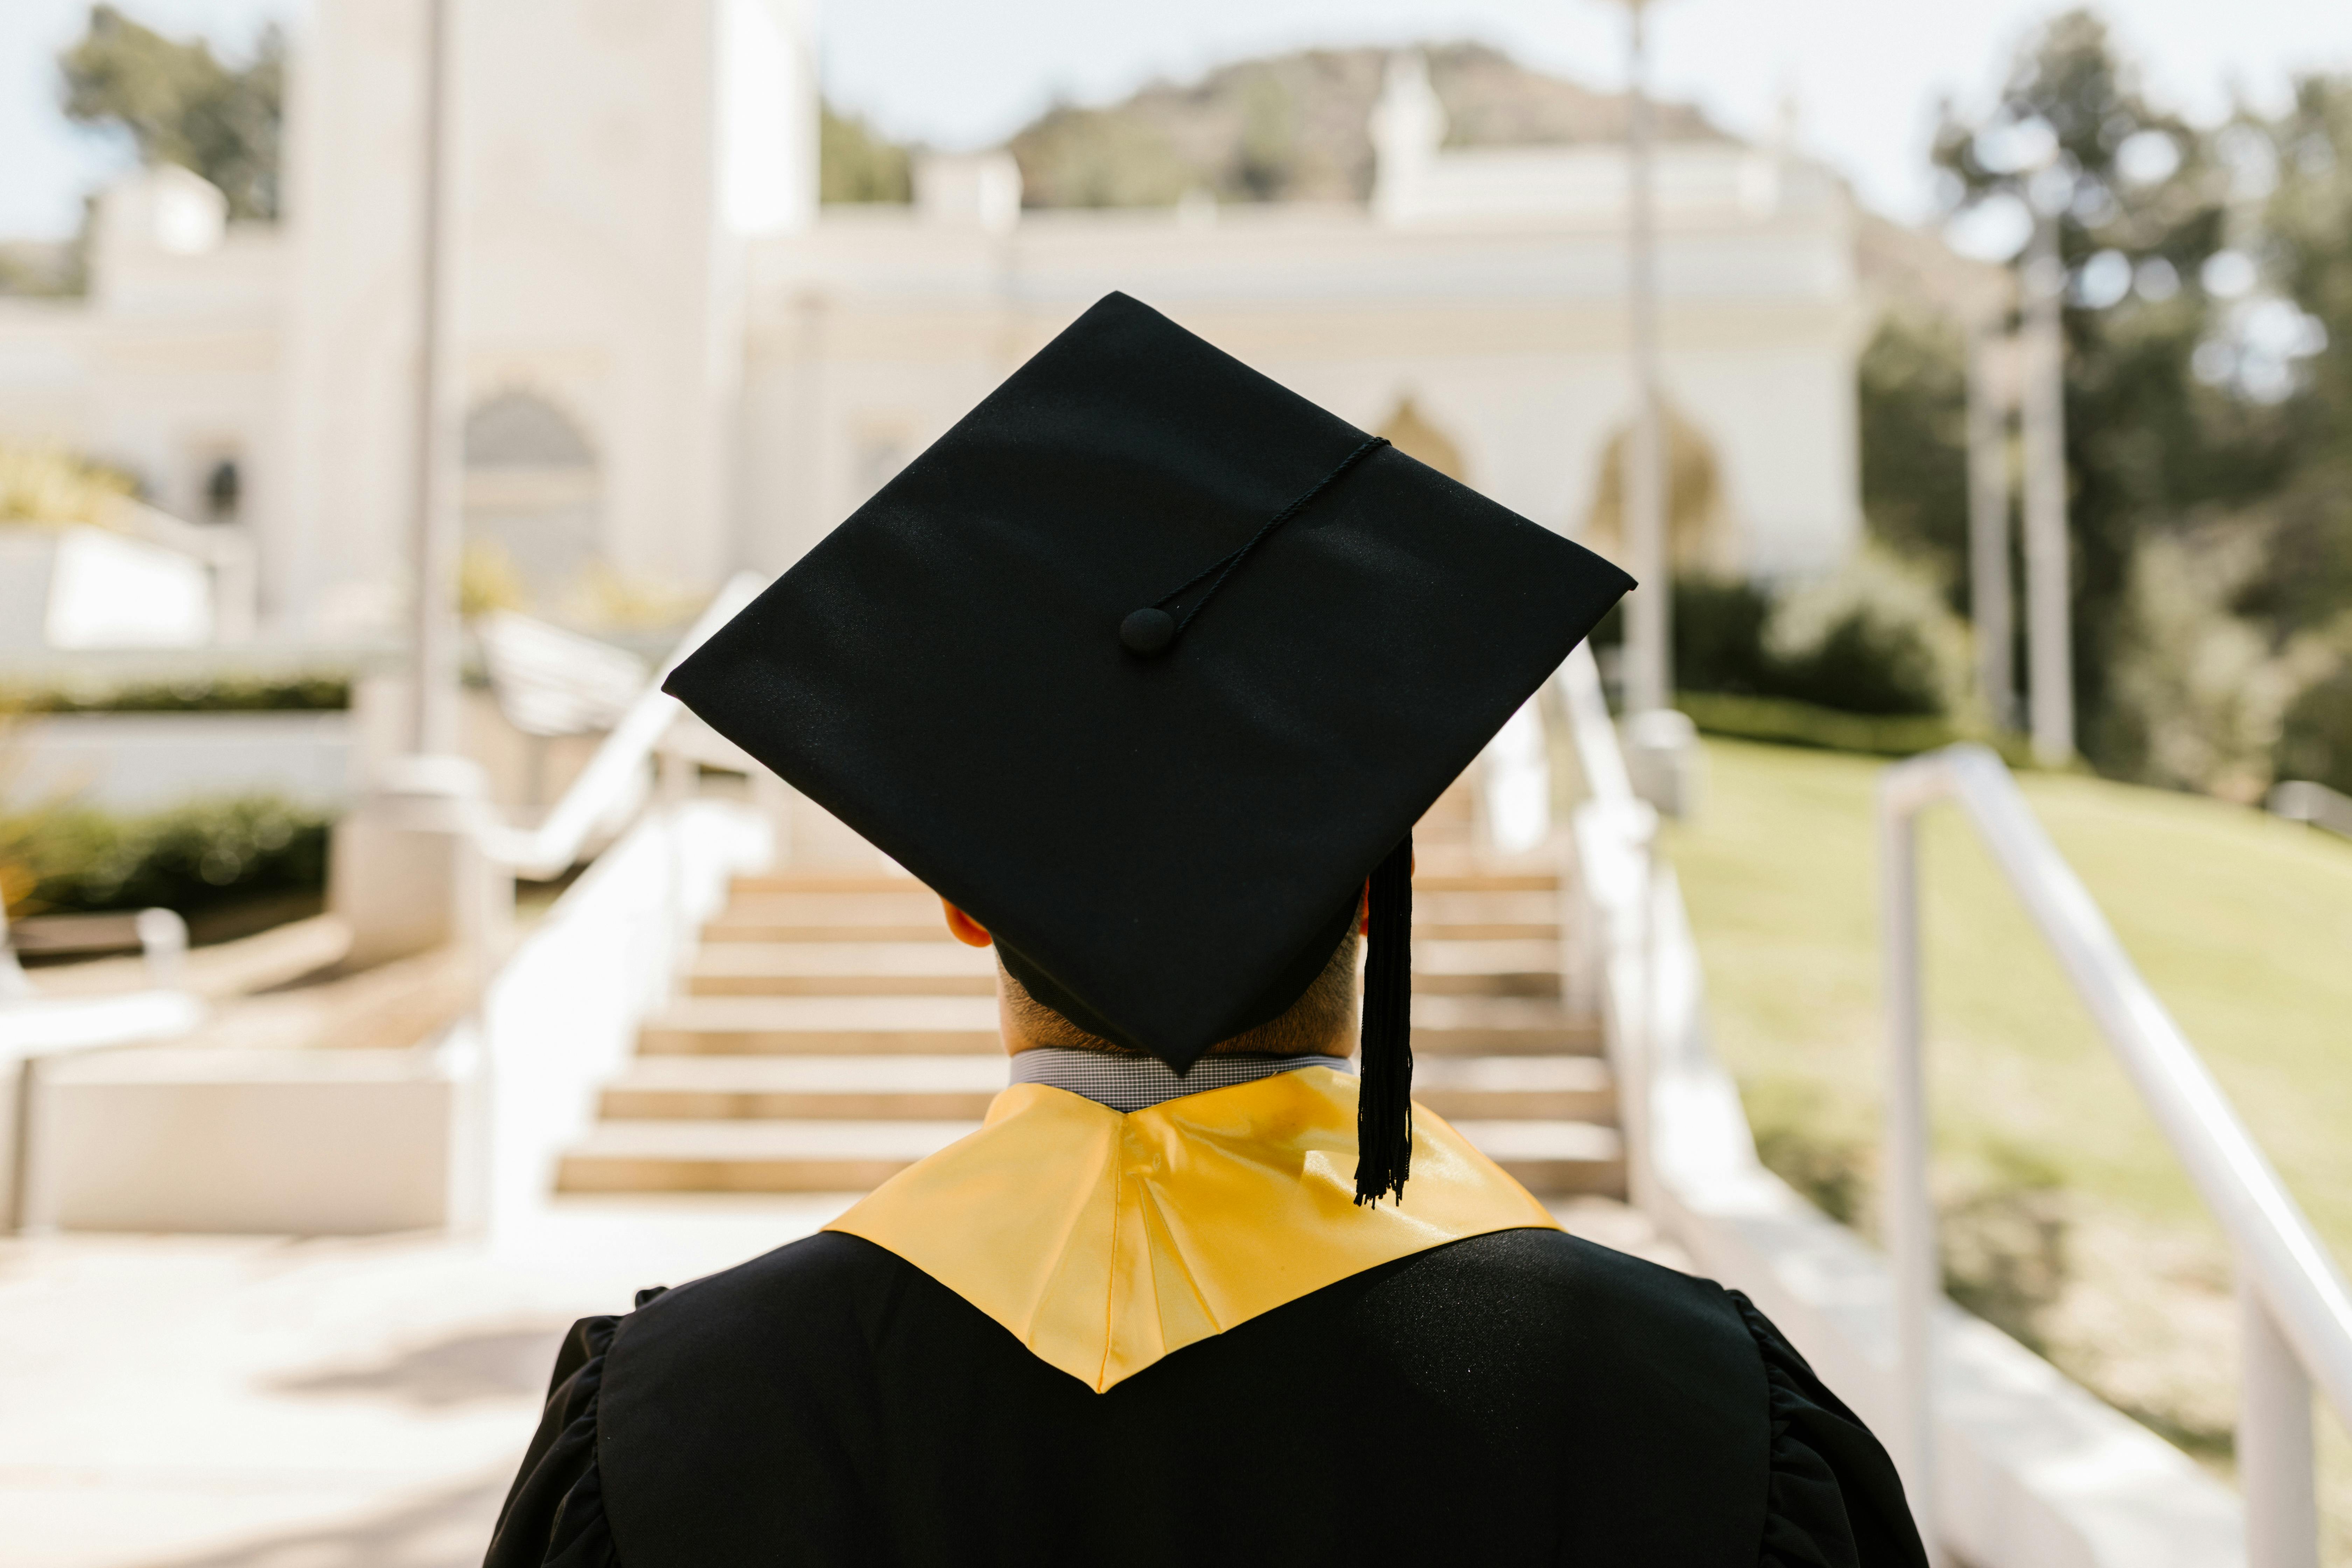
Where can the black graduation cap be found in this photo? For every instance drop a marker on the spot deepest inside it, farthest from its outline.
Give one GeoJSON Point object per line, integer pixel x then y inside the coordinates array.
{"type": "Point", "coordinates": [1146, 664]}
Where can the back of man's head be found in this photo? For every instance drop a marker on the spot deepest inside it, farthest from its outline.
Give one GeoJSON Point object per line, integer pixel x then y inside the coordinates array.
{"type": "Point", "coordinates": [1322, 1022]}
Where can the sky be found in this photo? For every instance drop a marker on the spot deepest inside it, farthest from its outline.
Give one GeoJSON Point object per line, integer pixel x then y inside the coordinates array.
{"type": "Point", "coordinates": [1863, 76]}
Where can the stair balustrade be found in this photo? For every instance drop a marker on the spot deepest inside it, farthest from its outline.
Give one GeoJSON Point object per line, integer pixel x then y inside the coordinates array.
{"type": "Point", "coordinates": [2296, 1313]}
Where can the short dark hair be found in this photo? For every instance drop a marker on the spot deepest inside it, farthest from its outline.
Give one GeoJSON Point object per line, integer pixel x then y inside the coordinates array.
{"type": "Point", "coordinates": [1326, 1009]}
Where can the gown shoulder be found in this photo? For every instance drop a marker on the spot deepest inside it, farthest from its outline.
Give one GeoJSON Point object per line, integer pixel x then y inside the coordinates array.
{"type": "Point", "coordinates": [1833, 1499]}
{"type": "Point", "coordinates": [554, 1514]}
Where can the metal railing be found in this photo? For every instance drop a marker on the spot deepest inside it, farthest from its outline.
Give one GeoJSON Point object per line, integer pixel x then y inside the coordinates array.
{"type": "Point", "coordinates": [2295, 1314]}
{"type": "Point", "coordinates": [2300, 800]}
{"type": "Point", "coordinates": [617, 770]}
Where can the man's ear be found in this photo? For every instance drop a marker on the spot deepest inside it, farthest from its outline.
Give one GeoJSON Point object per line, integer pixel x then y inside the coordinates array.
{"type": "Point", "coordinates": [965, 929]}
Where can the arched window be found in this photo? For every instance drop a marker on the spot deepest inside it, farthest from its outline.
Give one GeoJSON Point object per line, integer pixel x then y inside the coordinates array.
{"type": "Point", "coordinates": [1698, 527]}
{"type": "Point", "coordinates": [533, 495]}
{"type": "Point", "coordinates": [523, 430]}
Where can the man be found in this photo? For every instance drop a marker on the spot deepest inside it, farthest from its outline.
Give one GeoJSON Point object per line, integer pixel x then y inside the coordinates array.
{"type": "Point", "coordinates": [1194, 1293]}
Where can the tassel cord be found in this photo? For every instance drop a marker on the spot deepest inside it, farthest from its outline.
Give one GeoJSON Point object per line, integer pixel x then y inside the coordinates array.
{"type": "Point", "coordinates": [1226, 566]}
{"type": "Point", "coordinates": [1384, 1102]}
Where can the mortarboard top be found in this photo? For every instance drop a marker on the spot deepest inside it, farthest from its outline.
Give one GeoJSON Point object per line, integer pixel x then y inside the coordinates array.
{"type": "Point", "coordinates": [1163, 820]}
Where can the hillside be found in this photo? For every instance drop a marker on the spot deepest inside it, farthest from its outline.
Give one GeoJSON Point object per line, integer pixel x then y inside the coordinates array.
{"type": "Point", "coordinates": [1295, 128]}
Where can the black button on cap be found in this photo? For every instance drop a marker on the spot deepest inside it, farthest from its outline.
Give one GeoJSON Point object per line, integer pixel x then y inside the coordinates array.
{"type": "Point", "coordinates": [1147, 631]}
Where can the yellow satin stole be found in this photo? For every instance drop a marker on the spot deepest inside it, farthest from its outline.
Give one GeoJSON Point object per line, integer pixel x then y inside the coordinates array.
{"type": "Point", "coordinates": [1103, 1241]}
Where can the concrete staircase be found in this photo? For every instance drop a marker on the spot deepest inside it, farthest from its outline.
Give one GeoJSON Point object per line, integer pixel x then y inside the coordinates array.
{"type": "Point", "coordinates": [831, 1032]}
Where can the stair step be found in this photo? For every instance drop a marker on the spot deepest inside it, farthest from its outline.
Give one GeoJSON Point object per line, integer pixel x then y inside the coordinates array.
{"type": "Point", "coordinates": [1553, 1156]}
{"type": "Point", "coordinates": [1499, 1025]}
{"type": "Point", "coordinates": [1475, 917]}
{"type": "Point", "coordinates": [811, 1156]}
{"type": "Point", "coordinates": [924, 1088]}
{"type": "Point", "coordinates": [820, 1025]}
{"type": "Point", "coordinates": [827, 882]}
{"type": "Point", "coordinates": [829, 917]}
{"type": "Point", "coordinates": [843, 969]}
{"type": "Point", "coordinates": [1441, 1025]}
{"type": "Point", "coordinates": [774, 1156]}
{"type": "Point", "coordinates": [1492, 916]}
{"type": "Point", "coordinates": [1452, 876]}
{"type": "Point", "coordinates": [1514, 968]}
{"type": "Point", "coordinates": [1485, 882]}
{"type": "Point", "coordinates": [1517, 1088]}
{"type": "Point", "coordinates": [742, 1088]}
{"type": "Point", "coordinates": [1505, 968]}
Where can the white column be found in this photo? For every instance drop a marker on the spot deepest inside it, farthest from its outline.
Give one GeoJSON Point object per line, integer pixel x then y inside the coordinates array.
{"type": "Point", "coordinates": [2042, 406]}
{"type": "Point", "coordinates": [2274, 1446]}
{"type": "Point", "coordinates": [1909, 1206]}
{"type": "Point", "coordinates": [1989, 595]}
{"type": "Point", "coordinates": [433, 533]}
{"type": "Point", "coordinates": [1649, 611]}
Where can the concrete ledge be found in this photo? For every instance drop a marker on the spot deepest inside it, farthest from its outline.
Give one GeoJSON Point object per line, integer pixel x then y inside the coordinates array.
{"type": "Point", "coordinates": [305, 1142]}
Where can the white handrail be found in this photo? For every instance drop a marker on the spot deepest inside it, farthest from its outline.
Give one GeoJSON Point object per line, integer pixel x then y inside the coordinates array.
{"type": "Point", "coordinates": [1597, 752]}
{"type": "Point", "coordinates": [2301, 800]}
{"type": "Point", "coordinates": [2298, 1314]}
{"type": "Point", "coordinates": [619, 762]}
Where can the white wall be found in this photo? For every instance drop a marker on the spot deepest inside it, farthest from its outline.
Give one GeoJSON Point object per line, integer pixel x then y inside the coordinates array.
{"type": "Point", "coordinates": [881, 328]}
{"type": "Point", "coordinates": [130, 762]}
{"type": "Point", "coordinates": [172, 365]}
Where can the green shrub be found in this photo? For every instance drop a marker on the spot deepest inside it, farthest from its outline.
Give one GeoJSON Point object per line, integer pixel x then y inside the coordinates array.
{"type": "Point", "coordinates": [2315, 739]}
{"type": "Point", "coordinates": [1875, 638]}
{"type": "Point", "coordinates": [1720, 636]}
{"type": "Point", "coordinates": [70, 859]}
{"type": "Point", "coordinates": [1778, 721]}
{"type": "Point", "coordinates": [223, 694]}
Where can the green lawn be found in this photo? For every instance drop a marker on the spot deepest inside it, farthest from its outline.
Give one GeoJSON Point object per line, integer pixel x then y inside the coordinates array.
{"type": "Point", "coordinates": [2080, 1232]}
{"type": "Point", "coordinates": [2242, 923]}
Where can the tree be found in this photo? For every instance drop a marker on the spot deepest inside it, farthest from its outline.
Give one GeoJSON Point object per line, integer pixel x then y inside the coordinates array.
{"type": "Point", "coordinates": [855, 163]}
{"type": "Point", "coordinates": [2304, 587]}
{"type": "Point", "coordinates": [181, 104]}
{"type": "Point", "coordinates": [1914, 417]}
{"type": "Point", "coordinates": [2141, 207]}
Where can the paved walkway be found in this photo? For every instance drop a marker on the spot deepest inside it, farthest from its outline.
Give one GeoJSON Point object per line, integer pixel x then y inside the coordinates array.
{"type": "Point", "coordinates": [188, 1401]}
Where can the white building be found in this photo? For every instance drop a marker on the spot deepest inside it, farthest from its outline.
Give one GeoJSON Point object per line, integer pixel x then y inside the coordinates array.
{"type": "Point", "coordinates": [674, 363]}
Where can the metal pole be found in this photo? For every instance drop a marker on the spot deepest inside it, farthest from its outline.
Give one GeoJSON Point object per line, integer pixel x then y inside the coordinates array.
{"type": "Point", "coordinates": [434, 545]}
{"type": "Point", "coordinates": [1910, 1212]}
{"type": "Point", "coordinates": [2049, 652]}
{"type": "Point", "coordinates": [1989, 599]}
{"type": "Point", "coordinates": [1649, 613]}
{"type": "Point", "coordinates": [2274, 1449]}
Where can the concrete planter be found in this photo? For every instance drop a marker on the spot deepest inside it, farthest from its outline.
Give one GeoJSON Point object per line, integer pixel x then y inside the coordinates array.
{"type": "Point", "coordinates": [316, 1143]}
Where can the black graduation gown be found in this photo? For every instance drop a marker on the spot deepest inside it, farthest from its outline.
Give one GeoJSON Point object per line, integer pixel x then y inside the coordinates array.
{"type": "Point", "coordinates": [1517, 1397]}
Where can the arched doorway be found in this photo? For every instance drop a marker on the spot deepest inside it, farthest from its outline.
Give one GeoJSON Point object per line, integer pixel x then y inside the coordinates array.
{"type": "Point", "coordinates": [532, 500]}
{"type": "Point", "coordinates": [1699, 525]}
{"type": "Point", "coordinates": [1409, 432]}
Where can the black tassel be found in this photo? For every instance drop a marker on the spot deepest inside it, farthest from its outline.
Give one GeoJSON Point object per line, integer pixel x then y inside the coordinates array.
{"type": "Point", "coordinates": [1385, 1101]}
